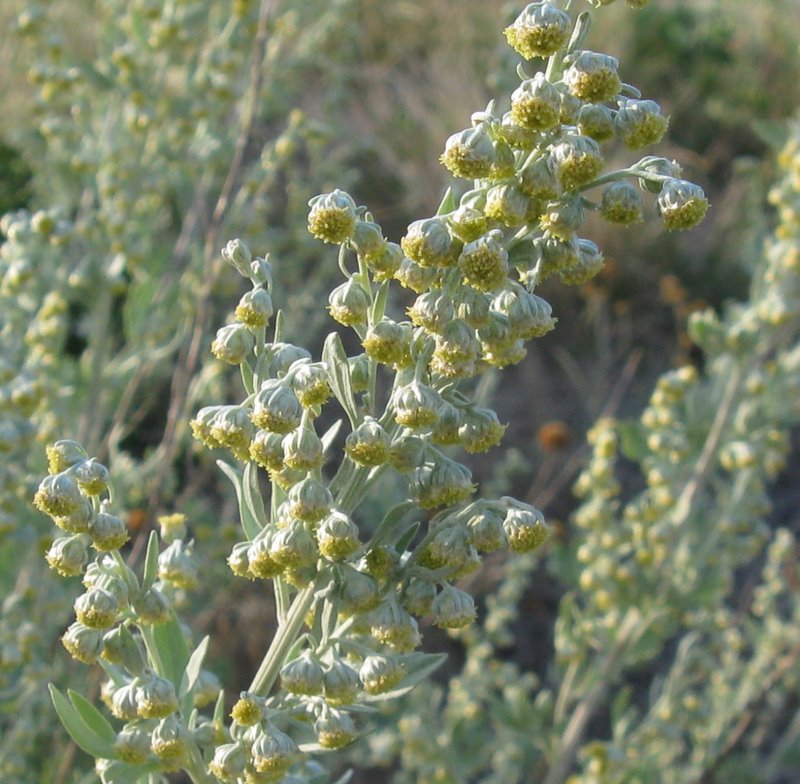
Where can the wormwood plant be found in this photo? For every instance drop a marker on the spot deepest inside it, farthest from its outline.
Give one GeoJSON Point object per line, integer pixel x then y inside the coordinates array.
{"type": "Point", "coordinates": [349, 592]}
{"type": "Point", "coordinates": [658, 587]}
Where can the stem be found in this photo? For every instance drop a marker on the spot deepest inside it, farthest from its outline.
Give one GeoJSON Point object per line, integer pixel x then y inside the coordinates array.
{"type": "Point", "coordinates": [285, 637]}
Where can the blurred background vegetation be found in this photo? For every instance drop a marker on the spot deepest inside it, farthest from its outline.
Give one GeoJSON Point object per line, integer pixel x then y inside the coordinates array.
{"type": "Point", "coordinates": [381, 87]}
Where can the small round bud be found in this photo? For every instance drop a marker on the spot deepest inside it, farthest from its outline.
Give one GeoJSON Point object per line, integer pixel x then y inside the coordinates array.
{"type": "Point", "coordinates": [529, 316]}
{"type": "Point", "coordinates": [562, 219]}
{"type": "Point", "coordinates": [593, 77]}
{"type": "Point", "coordinates": [273, 751]}
{"type": "Point", "coordinates": [83, 643]}
{"type": "Point", "coordinates": [176, 565]}
{"type": "Point", "coordinates": [384, 264]}
{"type": "Point", "coordinates": [333, 217]}
{"type": "Point", "coordinates": [260, 561]}
{"type": "Point", "coordinates": [229, 762]}
{"type": "Point", "coordinates": [349, 304]}
{"type": "Point", "coordinates": [429, 243]}
{"type": "Point", "coordinates": [293, 547]}
{"type": "Point", "coordinates": [172, 526]}
{"type": "Point", "coordinates": [432, 310]}
{"type": "Point", "coordinates": [590, 262]}
{"type": "Point", "coordinates": [538, 180]}
{"type": "Point", "coordinates": [393, 626]}
{"type": "Point", "coordinates": [484, 263]}
{"type": "Point", "coordinates": [597, 121]}
{"type": "Point", "coordinates": [406, 453]}
{"type": "Point", "coordinates": [68, 555]}
{"type": "Point", "coordinates": [155, 697]}
{"type": "Point", "coordinates": [132, 744]}
{"type": "Point", "coordinates": [310, 383]}
{"type": "Point", "coordinates": [388, 342]}
{"type": "Point", "coordinates": [248, 710]}
{"type": "Point", "coordinates": [539, 31]}
{"type": "Point", "coordinates": [470, 153]}
{"type": "Point", "coordinates": [285, 356]}
{"type": "Point", "coordinates": [276, 407]}
{"type": "Point", "coordinates": [535, 104]}
{"type": "Point", "coordinates": [123, 701]}
{"type": "Point", "coordinates": [357, 591]}
{"type": "Point", "coordinates": [507, 204]}
{"type": "Point", "coordinates": [481, 430]}
{"type": "Point", "coordinates": [309, 500]}
{"type": "Point", "coordinates": [152, 607]}
{"type": "Point", "coordinates": [238, 255]}
{"type": "Point", "coordinates": [303, 675]}
{"type": "Point", "coordinates": [302, 449]}
{"type": "Point", "coordinates": [524, 527]}
{"type": "Point", "coordinates": [97, 609]}
{"type": "Point", "coordinates": [449, 548]}
{"type": "Point", "coordinates": [417, 597]}
{"type": "Point", "coordinates": [169, 742]}
{"type": "Point", "coordinates": [416, 405]}
{"type": "Point", "coordinates": [79, 521]}
{"type": "Point", "coordinates": [255, 309]}
{"type": "Point", "coordinates": [63, 455]}
{"type": "Point", "coordinates": [621, 203]}
{"type": "Point", "coordinates": [640, 123]}
{"type": "Point", "coordinates": [457, 343]}
{"type": "Point", "coordinates": [445, 431]}
{"type": "Point", "coordinates": [266, 449]}
{"type": "Point", "coordinates": [658, 166]}
{"type": "Point", "coordinates": [58, 496]}
{"type": "Point", "coordinates": [415, 277]}
{"type": "Point", "coordinates": [367, 240]}
{"type": "Point", "coordinates": [485, 530]}
{"type": "Point", "coordinates": [577, 161]}
{"type": "Point", "coordinates": [380, 674]}
{"type": "Point", "coordinates": [340, 683]}
{"type": "Point", "coordinates": [232, 344]}
{"type": "Point", "coordinates": [682, 204]}
{"type": "Point", "coordinates": [453, 609]}
{"type": "Point", "coordinates": [468, 223]}
{"type": "Point", "coordinates": [443, 483]}
{"type": "Point", "coordinates": [92, 477]}
{"type": "Point", "coordinates": [231, 427]}
{"type": "Point", "coordinates": [238, 559]}
{"type": "Point", "coordinates": [337, 536]}
{"type": "Point", "coordinates": [334, 729]}
{"type": "Point", "coordinates": [108, 532]}
{"type": "Point", "coordinates": [473, 307]}
{"type": "Point", "coordinates": [368, 444]}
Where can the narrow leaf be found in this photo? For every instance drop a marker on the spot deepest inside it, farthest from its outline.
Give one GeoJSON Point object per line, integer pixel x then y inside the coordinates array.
{"type": "Point", "coordinates": [405, 540]}
{"type": "Point", "coordinates": [252, 494]}
{"type": "Point", "coordinates": [83, 734]}
{"type": "Point", "coordinates": [335, 358]}
{"type": "Point", "coordinates": [92, 717]}
{"type": "Point", "coordinates": [150, 562]}
{"type": "Point", "coordinates": [391, 520]}
{"type": "Point", "coordinates": [171, 644]}
{"type": "Point", "coordinates": [448, 203]}
{"type": "Point", "coordinates": [193, 668]}
{"type": "Point", "coordinates": [122, 773]}
{"type": "Point", "coordinates": [418, 667]}
{"type": "Point", "coordinates": [249, 524]}
{"type": "Point", "coordinates": [330, 434]}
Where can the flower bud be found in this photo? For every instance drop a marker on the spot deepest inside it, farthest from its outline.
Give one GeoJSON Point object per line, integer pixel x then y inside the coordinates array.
{"type": "Point", "coordinates": [248, 710]}
{"type": "Point", "coordinates": [349, 304]}
{"type": "Point", "coordinates": [132, 744]}
{"type": "Point", "coordinates": [380, 674]}
{"type": "Point", "coordinates": [449, 548]}
{"type": "Point", "coordinates": [393, 626]}
{"type": "Point", "coordinates": [303, 675]}
{"type": "Point", "coordinates": [230, 427]}
{"type": "Point", "coordinates": [367, 240]}
{"type": "Point", "coordinates": [445, 431]}
{"type": "Point", "coordinates": [78, 521]}
{"type": "Point", "coordinates": [538, 180]}
{"type": "Point", "coordinates": [229, 762]}
{"type": "Point", "coordinates": [473, 307]}
{"type": "Point", "coordinates": [63, 455]}
{"type": "Point", "coordinates": [206, 689]}
{"type": "Point", "coordinates": [640, 123]}
{"type": "Point", "coordinates": [515, 136]}
{"type": "Point", "coordinates": [457, 343]}
{"type": "Point", "coordinates": [484, 262]}
{"type": "Point", "coordinates": [333, 217]}
{"type": "Point", "coordinates": [92, 477]}
{"type": "Point", "coordinates": [260, 561]}
{"type": "Point", "coordinates": [453, 608]}
{"type": "Point", "coordinates": [529, 316]}
{"type": "Point", "coordinates": [293, 547]}
{"type": "Point", "coordinates": [334, 729]}
{"type": "Point", "coordinates": [155, 697]}
{"type": "Point", "coordinates": [120, 647]}
{"type": "Point", "coordinates": [310, 383]}
{"type": "Point", "coordinates": [152, 607]}
{"type": "Point", "coordinates": [337, 536]}
{"type": "Point", "coordinates": [507, 204]}
{"type": "Point", "coordinates": [266, 449]}
{"type": "Point", "coordinates": [524, 527]}
{"type": "Point", "coordinates": [68, 555]}
{"type": "Point", "coordinates": [577, 160]}
{"type": "Point", "coordinates": [273, 751]}
{"type": "Point", "coordinates": [597, 121]}
{"type": "Point", "coordinates": [368, 444]}
{"type": "Point", "coordinates": [284, 356]}
{"type": "Point", "coordinates": [563, 218]}
{"type": "Point", "coordinates": [485, 529]}
{"type": "Point", "coordinates": [83, 643]}
{"type": "Point", "coordinates": [660, 167]}
{"type": "Point", "coordinates": [108, 532]}
{"type": "Point", "coordinates": [340, 683]}
{"type": "Point", "coordinates": [552, 255]}
{"type": "Point", "coordinates": [621, 203]}
{"type": "Point", "coordinates": [416, 405]}
{"type": "Point", "coordinates": [358, 591]}
{"type": "Point", "coordinates": [681, 204]}
{"type": "Point", "coordinates": [238, 255]}
{"type": "Point", "coordinates": [169, 742]}
{"type": "Point", "coordinates": [481, 430]}
{"type": "Point", "coordinates": [388, 342]}
{"type": "Point", "coordinates": [276, 408]}
{"type": "Point", "coordinates": [412, 276]}
{"type": "Point", "coordinates": [97, 609]}
{"type": "Point", "coordinates": [302, 449]}
{"type": "Point", "coordinates": [123, 701]}
{"type": "Point", "coordinates": [406, 453]}
{"type": "Point", "coordinates": [232, 344]}
{"type": "Point", "coordinates": [470, 153]}
{"type": "Point", "coordinates": [539, 31]}
{"type": "Point", "coordinates": [535, 104]}
{"type": "Point", "coordinates": [593, 77]}
{"type": "Point", "coordinates": [255, 309]}
{"type": "Point", "coordinates": [432, 310]}
{"type": "Point", "coordinates": [443, 483]}
{"type": "Point", "coordinates": [309, 500]}
{"type": "Point", "coordinates": [429, 243]}
{"type": "Point", "coordinates": [176, 565]}
{"type": "Point", "coordinates": [58, 496]}
{"type": "Point", "coordinates": [384, 264]}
